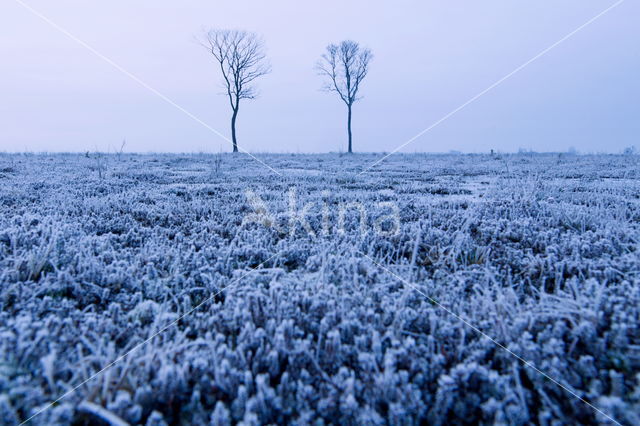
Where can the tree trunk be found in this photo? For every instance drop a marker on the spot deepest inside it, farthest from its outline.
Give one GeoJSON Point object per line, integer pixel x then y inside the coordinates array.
{"type": "Point", "coordinates": [233, 130]}
{"type": "Point", "coordinates": [349, 128]}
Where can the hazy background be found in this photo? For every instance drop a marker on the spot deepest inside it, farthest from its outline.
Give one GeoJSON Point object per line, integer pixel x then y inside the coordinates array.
{"type": "Point", "coordinates": [430, 57]}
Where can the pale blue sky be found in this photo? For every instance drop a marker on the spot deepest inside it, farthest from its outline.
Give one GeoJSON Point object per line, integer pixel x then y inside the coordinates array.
{"type": "Point", "coordinates": [430, 57]}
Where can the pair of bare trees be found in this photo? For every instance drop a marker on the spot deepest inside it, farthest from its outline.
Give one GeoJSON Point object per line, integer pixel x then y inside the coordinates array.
{"type": "Point", "coordinates": [242, 59]}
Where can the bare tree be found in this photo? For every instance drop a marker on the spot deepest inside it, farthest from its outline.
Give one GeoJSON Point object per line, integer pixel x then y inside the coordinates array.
{"type": "Point", "coordinates": [345, 66]}
{"type": "Point", "coordinates": [242, 59]}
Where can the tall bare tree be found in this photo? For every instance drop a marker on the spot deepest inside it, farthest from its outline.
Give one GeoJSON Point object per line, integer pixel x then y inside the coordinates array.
{"type": "Point", "coordinates": [242, 59]}
{"type": "Point", "coordinates": [344, 67]}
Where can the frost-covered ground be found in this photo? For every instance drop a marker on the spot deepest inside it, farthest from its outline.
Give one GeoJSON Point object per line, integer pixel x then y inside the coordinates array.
{"type": "Point", "coordinates": [539, 252]}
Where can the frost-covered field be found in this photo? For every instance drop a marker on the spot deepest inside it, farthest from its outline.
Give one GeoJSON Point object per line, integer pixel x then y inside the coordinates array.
{"type": "Point", "coordinates": [540, 252]}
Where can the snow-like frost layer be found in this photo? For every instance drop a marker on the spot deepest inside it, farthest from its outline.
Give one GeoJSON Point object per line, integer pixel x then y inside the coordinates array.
{"type": "Point", "coordinates": [540, 252]}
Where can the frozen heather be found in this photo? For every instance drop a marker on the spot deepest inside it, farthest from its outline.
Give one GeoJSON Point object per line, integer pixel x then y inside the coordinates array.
{"type": "Point", "coordinates": [345, 324]}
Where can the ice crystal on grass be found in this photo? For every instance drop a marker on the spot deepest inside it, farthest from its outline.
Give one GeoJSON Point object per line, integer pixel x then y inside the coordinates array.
{"type": "Point", "coordinates": [541, 255]}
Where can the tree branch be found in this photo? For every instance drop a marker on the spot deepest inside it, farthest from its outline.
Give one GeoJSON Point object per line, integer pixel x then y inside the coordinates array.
{"type": "Point", "coordinates": [344, 67]}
